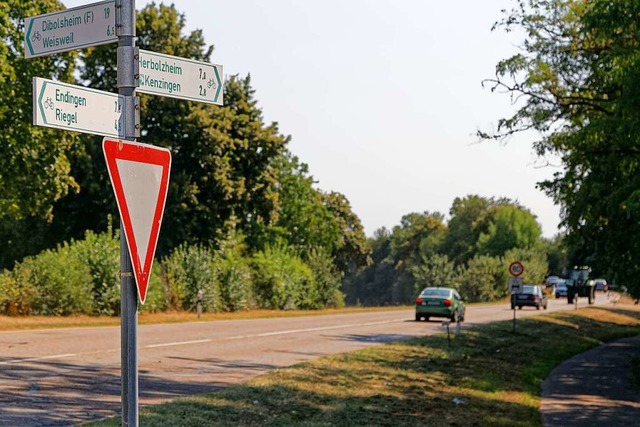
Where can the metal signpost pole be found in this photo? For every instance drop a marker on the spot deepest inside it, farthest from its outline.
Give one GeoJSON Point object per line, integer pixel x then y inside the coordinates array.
{"type": "Point", "coordinates": [126, 30]}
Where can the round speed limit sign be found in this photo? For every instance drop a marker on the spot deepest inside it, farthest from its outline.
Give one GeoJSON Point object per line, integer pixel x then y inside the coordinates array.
{"type": "Point", "coordinates": [516, 268]}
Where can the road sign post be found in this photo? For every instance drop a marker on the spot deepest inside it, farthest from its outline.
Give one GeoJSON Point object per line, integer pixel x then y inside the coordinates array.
{"type": "Point", "coordinates": [70, 29]}
{"type": "Point", "coordinates": [80, 109]}
{"type": "Point", "coordinates": [516, 269]}
{"type": "Point", "coordinates": [175, 77]}
{"type": "Point", "coordinates": [128, 295]}
{"type": "Point", "coordinates": [77, 108]}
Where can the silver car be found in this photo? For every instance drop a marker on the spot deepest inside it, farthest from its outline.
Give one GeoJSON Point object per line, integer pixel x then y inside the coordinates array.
{"type": "Point", "coordinates": [602, 285]}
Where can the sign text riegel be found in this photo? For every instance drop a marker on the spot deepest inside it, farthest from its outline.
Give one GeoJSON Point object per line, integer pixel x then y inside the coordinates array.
{"type": "Point", "coordinates": [77, 108]}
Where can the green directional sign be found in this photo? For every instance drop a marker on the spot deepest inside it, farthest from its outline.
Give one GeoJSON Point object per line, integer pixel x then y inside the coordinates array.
{"type": "Point", "coordinates": [69, 29]}
{"type": "Point", "coordinates": [181, 78]}
{"type": "Point", "coordinates": [80, 109]}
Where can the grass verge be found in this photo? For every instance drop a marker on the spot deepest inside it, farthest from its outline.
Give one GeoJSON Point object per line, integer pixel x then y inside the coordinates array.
{"type": "Point", "coordinates": [487, 376]}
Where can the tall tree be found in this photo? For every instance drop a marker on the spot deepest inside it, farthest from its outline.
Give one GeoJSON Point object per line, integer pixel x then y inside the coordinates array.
{"type": "Point", "coordinates": [372, 285]}
{"type": "Point", "coordinates": [222, 164]}
{"type": "Point", "coordinates": [418, 233]}
{"type": "Point", "coordinates": [472, 217]}
{"type": "Point", "coordinates": [304, 219]}
{"type": "Point", "coordinates": [351, 250]}
{"type": "Point", "coordinates": [557, 255]}
{"type": "Point", "coordinates": [310, 218]}
{"type": "Point", "coordinates": [459, 243]}
{"type": "Point", "coordinates": [507, 227]}
{"type": "Point", "coordinates": [34, 164]}
{"type": "Point", "coordinates": [418, 238]}
{"type": "Point", "coordinates": [578, 80]}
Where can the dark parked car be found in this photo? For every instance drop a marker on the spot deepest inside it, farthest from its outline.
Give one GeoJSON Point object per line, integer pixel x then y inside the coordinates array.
{"type": "Point", "coordinates": [531, 296]}
{"type": "Point", "coordinates": [440, 302]}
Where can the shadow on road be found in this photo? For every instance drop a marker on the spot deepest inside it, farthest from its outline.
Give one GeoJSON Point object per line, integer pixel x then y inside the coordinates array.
{"type": "Point", "coordinates": [50, 393]}
{"type": "Point", "coordinates": [375, 338]}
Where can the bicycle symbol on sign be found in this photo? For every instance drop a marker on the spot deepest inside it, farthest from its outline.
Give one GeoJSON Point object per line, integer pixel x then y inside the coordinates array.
{"type": "Point", "coordinates": [36, 36]}
{"type": "Point", "coordinates": [48, 103]}
{"type": "Point", "coordinates": [211, 84]}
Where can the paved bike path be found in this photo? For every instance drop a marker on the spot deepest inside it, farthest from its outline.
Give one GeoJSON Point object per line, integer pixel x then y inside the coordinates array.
{"type": "Point", "coordinates": [594, 388]}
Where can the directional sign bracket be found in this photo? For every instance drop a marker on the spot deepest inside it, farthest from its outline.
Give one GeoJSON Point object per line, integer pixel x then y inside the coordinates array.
{"type": "Point", "coordinates": [136, 112]}
{"type": "Point", "coordinates": [128, 63]}
{"type": "Point", "coordinates": [128, 55]}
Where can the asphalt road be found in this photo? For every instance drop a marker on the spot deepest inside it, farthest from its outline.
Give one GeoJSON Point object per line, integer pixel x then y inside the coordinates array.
{"type": "Point", "coordinates": [61, 377]}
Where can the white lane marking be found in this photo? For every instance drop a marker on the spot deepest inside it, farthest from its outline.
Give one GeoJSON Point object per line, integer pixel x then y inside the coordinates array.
{"type": "Point", "coordinates": [36, 359]}
{"type": "Point", "coordinates": [270, 334]}
{"type": "Point", "coordinates": [171, 344]}
{"type": "Point", "coordinates": [178, 343]}
{"type": "Point", "coordinates": [322, 328]}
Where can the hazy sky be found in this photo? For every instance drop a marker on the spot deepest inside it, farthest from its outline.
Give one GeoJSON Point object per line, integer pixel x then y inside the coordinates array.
{"type": "Point", "coordinates": [382, 98]}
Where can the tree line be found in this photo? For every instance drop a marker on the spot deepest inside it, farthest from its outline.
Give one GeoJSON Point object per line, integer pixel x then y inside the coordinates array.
{"type": "Point", "coordinates": [243, 216]}
{"type": "Point", "coordinates": [471, 252]}
{"type": "Point", "coordinates": [81, 277]}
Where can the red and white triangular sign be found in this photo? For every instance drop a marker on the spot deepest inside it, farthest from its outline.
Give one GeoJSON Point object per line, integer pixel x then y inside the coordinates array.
{"type": "Point", "coordinates": [140, 177]}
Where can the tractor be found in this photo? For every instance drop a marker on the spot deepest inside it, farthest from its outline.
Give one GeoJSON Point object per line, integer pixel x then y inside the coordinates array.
{"type": "Point", "coordinates": [579, 285]}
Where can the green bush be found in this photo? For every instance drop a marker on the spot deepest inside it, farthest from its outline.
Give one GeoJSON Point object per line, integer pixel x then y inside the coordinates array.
{"type": "Point", "coordinates": [186, 271]}
{"type": "Point", "coordinates": [435, 270]}
{"type": "Point", "coordinates": [233, 275]}
{"type": "Point", "coordinates": [224, 279]}
{"type": "Point", "coordinates": [283, 281]}
{"type": "Point", "coordinates": [482, 279]}
{"type": "Point", "coordinates": [61, 283]}
{"type": "Point", "coordinates": [16, 297]}
{"type": "Point", "coordinates": [101, 254]}
{"type": "Point", "coordinates": [156, 291]}
{"type": "Point", "coordinates": [232, 272]}
{"type": "Point", "coordinates": [327, 278]}
{"type": "Point", "coordinates": [80, 277]}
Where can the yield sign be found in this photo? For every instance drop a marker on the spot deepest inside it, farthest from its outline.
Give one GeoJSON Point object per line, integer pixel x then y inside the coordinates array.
{"type": "Point", "coordinates": [140, 177]}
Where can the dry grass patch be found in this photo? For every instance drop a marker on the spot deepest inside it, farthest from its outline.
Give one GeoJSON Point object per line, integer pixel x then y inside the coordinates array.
{"type": "Point", "coordinates": [619, 315]}
{"type": "Point", "coordinates": [12, 323]}
{"type": "Point", "coordinates": [17, 323]}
